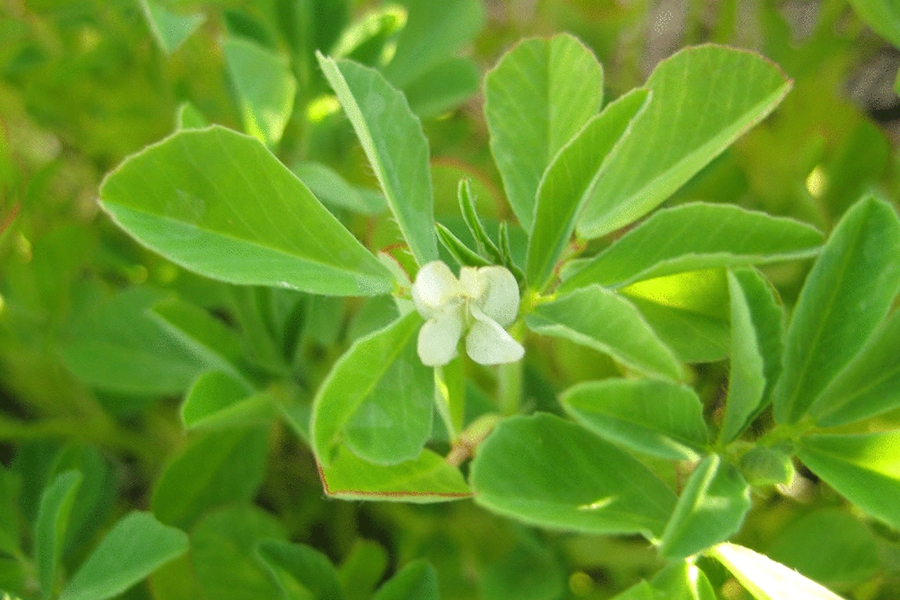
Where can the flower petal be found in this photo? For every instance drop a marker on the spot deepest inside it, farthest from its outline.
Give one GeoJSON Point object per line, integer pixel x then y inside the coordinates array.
{"type": "Point", "coordinates": [490, 344]}
{"type": "Point", "coordinates": [500, 299]}
{"type": "Point", "coordinates": [435, 285]}
{"type": "Point", "coordinates": [440, 335]}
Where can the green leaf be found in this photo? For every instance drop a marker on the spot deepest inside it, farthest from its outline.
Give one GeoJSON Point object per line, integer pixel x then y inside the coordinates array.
{"type": "Point", "coordinates": [9, 512]}
{"type": "Point", "coordinates": [693, 336]}
{"type": "Point", "coordinates": [444, 87]}
{"type": "Point", "coordinates": [869, 385]}
{"type": "Point", "coordinates": [427, 478]}
{"type": "Point", "coordinates": [378, 398]}
{"type": "Point", "coordinates": [221, 467]}
{"type": "Point", "coordinates": [747, 381]}
{"type": "Point", "coordinates": [845, 297]}
{"type": "Point", "coordinates": [395, 146]}
{"type": "Point", "coordinates": [530, 571]}
{"type": "Point", "coordinates": [571, 179]}
{"type": "Point", "coordinates": [883, 16]}
{"type": "Point", "coordinates": [703, 99]}
{"type": "Point", "coordinates": [766, 579]}
{"type": "Point", "coordinates": [545, 471]}
{"type": "Point", "coordinates": [683, 581]}
{"type": "Point", "coordinates": [416, 581]}
{"type": "Point", "coordinates": [710, 509]}
{"type": "Point", "coordinates": [96, 493]}
{"type": "Point", "coordinates": [328, 186]}
{"type": "Point", "coordinates": [461, 253]}
{"type": "Point", "coordinates": [136, 546]}
{"type": "Point", "coordinates": [639, 591]}
{"type": "Point", "coordinates": [828, 545]}
{"type": "Point", "coordinates": [362, 569]}
{"type": "Point", "coordinates": [763, 465]}
{"type": "Point", "coordinates": [265, 88]}
{"type": "Point", "coordinates": [530, 112]}
{"type": "Point", "coordinates": [426, 40]}
{"type": "Point", "coordinates": [119, 347]}
{"type": "Point", "coordinates": [697, 236]}
{"type": "Point", "coordinates": [644, 415]}
{"type": "Point", "coordinates": [204, 335]}
{"type": "Point", "coordinates": [218, 203]}
{"type": "Point", "coordinates": [50, 527]}
{"type": "Point", "coordinates": [298, 565]}
{"type": "Point", "coordinates": [863, 468]}
{"type": "Point", "coordinates": [217, 400]}
{"type": "Point", "coordinates": [190, 117]}
{"type": "Point", "coordinates": [170, 29]}
{"type": "Point", "coordinates": [223, 549]}
{"type": "Point", "coordinates": [606, 321]}
{"type": "Point", "coordinates": [485, 244]}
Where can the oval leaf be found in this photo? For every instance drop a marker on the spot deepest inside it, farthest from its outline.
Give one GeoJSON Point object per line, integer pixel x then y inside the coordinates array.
{"type": "Point", "coordinates": [656, 417]}
{"type": "Point", "coordinates": [703, 99]}
{"type": "Point", "coordinates": [710, 509]}
{"type": "Point", "coordinates": [218, 203]}
{"type": "Point", "coordinates": [378, 398]}
{"type": "Point", "coordinates": [396, 148]}
{"type": "Point", "coordinates": [301, 565]}
{"type": "Point", "coordinates": [845, 297]}
{"type": "Point", "coordinates": [546, 471]}
{"type": "Point", "coordinates": [697, 236]}
{"type": "Point", "coordinates": [531, 114]}
{"type": "Point", "coordinates": [863, 468]}
{"type": "Point", "coordinates": [571, 179]}
{"type": "Point", "coordinates": [606, 321]}
{"type": "Point", "coordinates": [135, 547]}
{"type": "Point", "coordinates": [218, 400]}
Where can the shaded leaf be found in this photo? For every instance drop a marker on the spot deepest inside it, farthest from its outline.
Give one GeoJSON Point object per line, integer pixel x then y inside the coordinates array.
{"type": "Point", "coordinates": [170, 29]}
{"type": "Point", "coordinates": [50, 527]}
{"type": "Point", "coordinates": [301, 565]}
{"type": "Point", "coordinates": [415, 581]}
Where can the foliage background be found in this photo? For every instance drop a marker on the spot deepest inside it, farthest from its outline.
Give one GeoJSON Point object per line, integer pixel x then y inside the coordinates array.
{"type": "Point", "coordinates": [83, 84]}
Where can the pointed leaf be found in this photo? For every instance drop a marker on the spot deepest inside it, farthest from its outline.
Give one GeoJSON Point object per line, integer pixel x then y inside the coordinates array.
{"type": "Point", "coordinates": [265, 87]}
{"type": "Point", "coordinates": [571, 179]}
{"type": "Point", "coordinates": [869, 386]}
{"type": "Point", "coordinates": [50, 527]}
{"type": "Point", "coordinates": [656, 417]}
{"type": "Point", "coordinates": [169, 28]}
{"type": "Point", "coordinates": [766, 579]}
{"type": "Point", "coordinates": [747, 381]}
{"type": "Point", "coordinates": [683, 581]}
{"type": "Point", "coordinates": [218, 203]}
{"type": "Point", "coordinates": [530, 112]}
{"type": "Point", "coordinates": [883, 16]}
{"type": "Point", "coordinates": [416, 581]}
{"type": "Point", "coordinates": [606, 321]}
{"type": "Point", "coordinates": [122, 348]}
{"type": "Point", "coordinates": [697, 236]}
{"type": "Point", "coordinates": [301, 565]}
{"type": "Point", "coordinates": [395, 146]}
{"type": "Point", "coordinates": [845, 297]}
{"type": "Point", "coordinates": [377, 399]}
{"type": "Point", "coordinates": [217, 400]}
{"type": "Point", "coordinates": [863, 468]}
{"type": "Point", "coordinates": [462, 254]}
{"type": "Point", "coordinates": [486, 246]}
{"type": "Point", "coordinates": [426, 40]}
{"type": "Point", "coordinates": [710, 509]}
{"type": "Point", "coordinates": [548, 472]}
{"type": "Point", "coordinates": [428, 478]}
{"type": "Point", "coordinates": [135, 547]}
{"type": "Point", "coordinates": [703, 99]}
{"type": "Point", "coordinates": [219, 468]}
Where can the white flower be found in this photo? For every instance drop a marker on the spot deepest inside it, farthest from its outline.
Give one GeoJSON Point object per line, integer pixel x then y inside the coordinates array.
{"type": "Point", "coordinates": [481, 302]}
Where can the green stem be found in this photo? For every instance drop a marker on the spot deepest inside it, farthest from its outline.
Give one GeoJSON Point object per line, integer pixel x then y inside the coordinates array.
{"type": "Point", "coordinates": [442, 401]}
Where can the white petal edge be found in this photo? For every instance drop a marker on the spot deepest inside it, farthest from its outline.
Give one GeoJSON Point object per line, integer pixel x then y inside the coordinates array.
{"type": "Point", "coordinates": [489, 344]}
{"type": "Point", "coordinates": [435, 285]}
{"type": "Point", "coordinates": [439, 337]}
{"type": "Point", "coordinates": [500, 300]}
